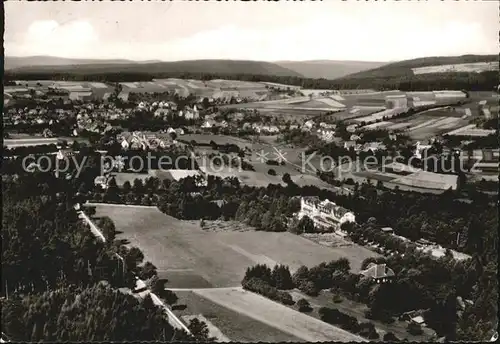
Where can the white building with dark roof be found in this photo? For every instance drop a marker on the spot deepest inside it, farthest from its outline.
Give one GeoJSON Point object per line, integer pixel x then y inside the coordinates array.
{"type": "Point", "coordinates": [325, 213]}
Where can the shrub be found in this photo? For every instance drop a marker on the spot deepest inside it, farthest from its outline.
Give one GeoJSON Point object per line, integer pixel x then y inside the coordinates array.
{"type": "Point", "coordinates": [337, 298]}
{"type": "Point", "coordinates": [263, 288]}
{"type": "Point", "coordinates": [335, 317]}
{"type": "Point", "coordinates": [309, 288]}
{"type": "Point", "coordinates": [414, 329]}
{"type": "Point", "coordinates": [367, 330]}
{"type": "Point", "coordinates": [303, 305]}
{"type": "Point", "coordinates": [390, 337]}
{"type": "Point", "coordinates": [271, 172]}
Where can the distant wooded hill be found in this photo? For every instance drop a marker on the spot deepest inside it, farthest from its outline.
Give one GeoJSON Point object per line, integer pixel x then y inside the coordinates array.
{"type": "Point", "coordinates": [328, 69]}
{"type": "Point", "coordinates": [46, 64]}
{"type": "Point", "coordinates": [398, 75]}
{"type": "Point", "coordinates": [404, 68]}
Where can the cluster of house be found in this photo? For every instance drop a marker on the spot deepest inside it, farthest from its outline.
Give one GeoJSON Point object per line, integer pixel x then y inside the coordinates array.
{"type": "Point", "coordinates": [149, 140]}
{"type": "Point", "coordinates": [365, 147]}
{"type": "Point", "coordinates": [259, 128]}
{"type": "Point", "coordinates": [37, 115]}
{"type": "Point", "coordinates": [325, 214]}
{"type": "Point", "coordinates": [91, 117]}
{"type": "Point", "coordinates": [324, 131]}
{"type": "Point", "coordinates": [162, 109]}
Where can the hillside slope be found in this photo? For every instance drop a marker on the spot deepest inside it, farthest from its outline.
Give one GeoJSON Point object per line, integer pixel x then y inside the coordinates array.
{"type": "Point", "coordinates": [400, 75]}
{"type": "Point", "coordinates": [328, 69]}
{"type": "Point", "coordinates": [404, 68]}
{"type": "Point", "coordinates": [193, 66]}
{"type": "Point", "coordinates": [12, 62]}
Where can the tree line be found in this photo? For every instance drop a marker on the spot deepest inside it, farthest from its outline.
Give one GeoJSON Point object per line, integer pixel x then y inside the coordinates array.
{"type": "Point", "coordinates": [484, 81]}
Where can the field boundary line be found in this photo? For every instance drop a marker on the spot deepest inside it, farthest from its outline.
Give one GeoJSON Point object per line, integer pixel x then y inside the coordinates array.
{"type": "Point", "coordinates": [172, 318]}
{"type": "Point", "coordinates": [121, 205]}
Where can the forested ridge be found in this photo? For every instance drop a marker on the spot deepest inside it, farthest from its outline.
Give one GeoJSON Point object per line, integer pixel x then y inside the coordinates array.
{"type": "Point", "coordinates": [484, 81]}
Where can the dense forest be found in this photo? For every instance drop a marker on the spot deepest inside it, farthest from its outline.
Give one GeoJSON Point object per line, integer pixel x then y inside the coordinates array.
{"type": "Point", "coordinates": [59, 283]}
{"type": "Point", "coordinates": [485, 81]}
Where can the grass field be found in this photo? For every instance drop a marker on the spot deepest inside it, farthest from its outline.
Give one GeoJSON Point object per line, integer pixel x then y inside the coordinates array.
{"type": "Point", "coordinates": [277, 315]}
{"type": "Point", "coordinates": [218, 139]}
{"type": "Point", "coordinates": [190, 257]}
{"type": "Point", "coordinates": [20, 140]}
{"type": "Point", "coordinates": [237, 327]}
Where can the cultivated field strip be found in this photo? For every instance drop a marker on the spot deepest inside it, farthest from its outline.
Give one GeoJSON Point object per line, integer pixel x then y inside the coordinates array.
{"type": "Point", "coordinates": [279, 316]}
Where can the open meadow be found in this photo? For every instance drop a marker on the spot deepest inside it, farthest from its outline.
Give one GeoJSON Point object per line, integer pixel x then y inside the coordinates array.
{"type": "Point", "coordinates": [277, 315]}
{"type": "Point", "coordinates": [190, 257]}
{"type": "Point", "coordinates": [24, 140]}
{"type": "Point", "coordinates": [237, 327]}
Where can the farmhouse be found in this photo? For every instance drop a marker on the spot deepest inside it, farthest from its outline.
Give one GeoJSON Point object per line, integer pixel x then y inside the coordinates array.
{"type": "Point", "coordinates": [419, 149]}
{"type": "Point", "coordinates": [397, 101]}
{"type": "Point", "coordinates": [64, 153]}
{"type": "Point", "coordinates": [210, 123]}
{"type": "Point", "coordinates": [326, 134]}
{"type": "Point", "coordinates": [101, 181]}
{"type": "Point", "coordinates": [413, 317]}
{"type": "Point", "coordinates": [324, 213]}
{"type": "Point", "coordinates": [81, 95]}
{"type": "Point", "coordinates": [350, 144]}
{"type": "Point", "coordinates": [352, 128]}
{"type": "Point", "coordinates": [309, 124]}
{"type": "Point", "coordinates": [373, 146]}
{"type": "Point", "coordinates": [327, 125]}
{"type": "Point", "coordinates": [380, 273]}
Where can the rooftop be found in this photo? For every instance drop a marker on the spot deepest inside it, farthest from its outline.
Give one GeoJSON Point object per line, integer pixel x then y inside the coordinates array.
{"type": "Point", "coordinates": [377, 271]}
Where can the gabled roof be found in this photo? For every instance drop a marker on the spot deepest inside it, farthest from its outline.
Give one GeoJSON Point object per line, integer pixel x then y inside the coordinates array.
{"type": "Point", "coordinates": [219, 202]}
{"type": "Point", "coordinates": [311, 199]}
{"type": "Point", "coordinates": [377, 271]}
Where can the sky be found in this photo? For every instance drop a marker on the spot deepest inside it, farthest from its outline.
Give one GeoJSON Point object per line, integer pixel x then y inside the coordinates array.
{"type": "Point", "coordinates": [260, 30]}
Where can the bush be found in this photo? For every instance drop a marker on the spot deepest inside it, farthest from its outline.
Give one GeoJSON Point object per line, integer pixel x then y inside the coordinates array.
{"type": "Point", "coordinates": [335, 317]}
{"type": "Point", "coordinates": [309, 288]}
{"type": "Point", "coordinates": [337, 298]}
{"type": "Point", "coordinates": [285, 298]}
{"type": "Point", "coordinates": [390, 337]}
{"type": "Point", "coordinates": [367, 330]}
{"type": "Point", "coordinates": [271, 172]}
{"type": "Point", "coordinates": [414, 329]}
{"type": "Point", "coordinates": [303, 305]}
{"type": "Point", "coordinates": [261, 287]}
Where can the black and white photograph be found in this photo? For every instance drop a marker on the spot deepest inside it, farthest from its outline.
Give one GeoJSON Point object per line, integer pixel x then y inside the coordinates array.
{"type": "Point", "coordinates": [250, 171]}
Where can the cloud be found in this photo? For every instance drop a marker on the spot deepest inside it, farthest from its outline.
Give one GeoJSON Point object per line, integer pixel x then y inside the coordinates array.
{"type": "Point", "coordinates": [48, 37]}
{"type": "Point", "coordinates": [329, 36]}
